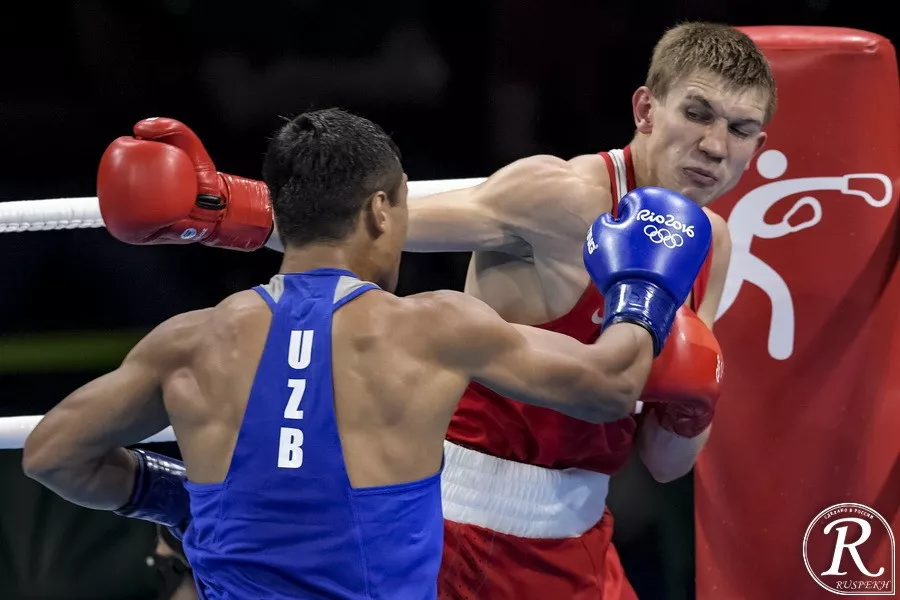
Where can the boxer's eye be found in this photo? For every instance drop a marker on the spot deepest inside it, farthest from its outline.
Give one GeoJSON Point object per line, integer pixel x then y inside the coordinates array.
{"type": "Point", "coordinates": [739, 131]}
{"type": "Point", "coordinates": [694, 115]}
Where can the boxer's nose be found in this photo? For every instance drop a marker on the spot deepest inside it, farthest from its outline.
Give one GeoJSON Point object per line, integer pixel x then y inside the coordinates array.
{"type": "Point", "coordinates": [714, 141]}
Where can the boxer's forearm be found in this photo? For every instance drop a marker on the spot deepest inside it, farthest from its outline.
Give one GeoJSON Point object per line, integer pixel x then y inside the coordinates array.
{"type": "Point", "coordinates": [78, 448]}
{"type": "Point", "coordinates": [439, 223]}
{"type": "Point", "coordinates": [455, 221]}
{"type": "Point", "coordinates": [667, 456]}
{"type": "Point", "coordinates": [103, 483]}
{"type": "Point", "coordinates": [445, 222]}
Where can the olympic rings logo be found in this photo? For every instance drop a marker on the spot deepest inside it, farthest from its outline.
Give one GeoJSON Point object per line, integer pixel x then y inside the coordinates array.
{"type": "Point", "coordinates": [663, 236]}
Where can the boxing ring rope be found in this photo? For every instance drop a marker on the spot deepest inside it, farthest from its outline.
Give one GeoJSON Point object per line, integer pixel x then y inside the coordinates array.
{"type": "Point", "coordinates": [83, 213]}
{"type": "Point", "coordinates": [57, 214]}
{"type": "Point", "coordinates": [14, 431]}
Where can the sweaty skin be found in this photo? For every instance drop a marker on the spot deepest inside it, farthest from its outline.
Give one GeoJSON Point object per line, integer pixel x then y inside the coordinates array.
{"type": "Point", "coordinates": [526, 222]}
{"type": "Point", "coordinates": [397, 381]}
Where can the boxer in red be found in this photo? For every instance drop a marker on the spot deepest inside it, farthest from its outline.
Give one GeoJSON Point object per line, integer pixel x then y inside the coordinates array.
{"type": "Point", "coordinates": [524, 489]}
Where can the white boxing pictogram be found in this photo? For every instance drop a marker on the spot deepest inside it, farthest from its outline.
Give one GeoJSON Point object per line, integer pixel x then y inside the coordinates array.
{"type": "Point", "coordinates": [747, 221]}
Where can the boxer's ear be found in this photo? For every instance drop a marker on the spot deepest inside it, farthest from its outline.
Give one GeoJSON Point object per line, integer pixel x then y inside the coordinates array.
{"type": "Point", "coordinates": [760, 144]}
{"type": "Point", "coordinates": [376, 214]}
{"type": "Point", "coordinates": [761, 141]}
{"type": "Point", "coordinates": [642, 106]}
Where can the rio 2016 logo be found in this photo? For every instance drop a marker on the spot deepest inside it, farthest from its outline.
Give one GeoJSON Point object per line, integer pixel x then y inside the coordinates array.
{"type": "Point", "coordinates": [663, 236]}
{"type": "Point", "coordinates": [665, 220]}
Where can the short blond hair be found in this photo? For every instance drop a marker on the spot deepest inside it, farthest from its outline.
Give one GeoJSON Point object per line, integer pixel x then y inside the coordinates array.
{"type": "Point", "coordinates": [720, 49]}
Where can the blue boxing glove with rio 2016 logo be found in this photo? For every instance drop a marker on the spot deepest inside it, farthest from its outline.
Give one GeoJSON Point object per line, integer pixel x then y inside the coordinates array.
{"type": "Point", "coordinates": [645, 260]}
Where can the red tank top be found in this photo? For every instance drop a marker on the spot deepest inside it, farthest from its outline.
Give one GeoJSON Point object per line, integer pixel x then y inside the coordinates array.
{"type": "Point", "coordinates": [493, 424]}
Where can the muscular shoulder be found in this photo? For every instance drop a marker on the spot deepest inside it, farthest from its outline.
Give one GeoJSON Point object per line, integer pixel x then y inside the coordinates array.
{"type": "Point", "coordinates": [238, 315]}
{"type": "Point", "coordinates": [543, 175]}
{"type": "Point", "coordinates": [454, 308]}
{"type": "Point", "coordinates": [448, 323]}
{"type": "Point", "coordinates": [591, 168]}
{"type": "Point", "coordinates": [179, 340]}
{"type": "Point", "coordinates": [548, 197]}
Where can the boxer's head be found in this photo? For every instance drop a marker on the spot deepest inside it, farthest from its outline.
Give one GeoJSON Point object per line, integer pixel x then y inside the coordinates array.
{"type": "Point", "coordinates": [699, 116]}
{"type": "Point", "coordinates": [339, 192]}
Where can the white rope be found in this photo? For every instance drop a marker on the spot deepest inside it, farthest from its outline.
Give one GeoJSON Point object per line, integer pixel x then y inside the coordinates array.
{"type": "Point", "coordinates": [49, 215]}
{"type": "Point", "coordinates": [14, 431]}
{"type": "Point", "coordinates": [77, 213]}
{"type": "Point", "coordinates": [80, 213]}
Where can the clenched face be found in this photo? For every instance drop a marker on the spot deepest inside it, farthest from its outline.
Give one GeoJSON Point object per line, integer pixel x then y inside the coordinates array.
{"type": "Point", "coordinates": [702, 137]}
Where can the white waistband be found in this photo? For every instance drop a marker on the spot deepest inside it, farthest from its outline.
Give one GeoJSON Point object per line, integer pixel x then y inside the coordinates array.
{"type": "Point", "coordinates": [519, 499]}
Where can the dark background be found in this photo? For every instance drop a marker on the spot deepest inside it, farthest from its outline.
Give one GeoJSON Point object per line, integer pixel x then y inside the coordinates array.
{"type": "Point", "coordinates": [464, 87]}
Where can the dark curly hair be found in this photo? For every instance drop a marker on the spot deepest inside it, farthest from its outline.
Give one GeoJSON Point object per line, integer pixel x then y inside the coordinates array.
{"type": "Point", "coordinates": [321, 167]}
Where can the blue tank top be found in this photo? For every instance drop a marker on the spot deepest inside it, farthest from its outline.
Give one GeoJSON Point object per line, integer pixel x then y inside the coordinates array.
{"type": "Point", "coordinates": [286, 523]}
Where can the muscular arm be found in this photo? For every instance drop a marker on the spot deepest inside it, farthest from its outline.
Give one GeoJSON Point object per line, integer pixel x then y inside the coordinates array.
{"type": "Point", "coordinates": [458, 221]}
{"type": "Point", "coordinates": [523, 204]}
{"type": "Point", "coordinates": [666, 455]}
{"type": "Point", "coordinates": [597, 382]}
{"type": "Point", "coordinates": [77, 450]}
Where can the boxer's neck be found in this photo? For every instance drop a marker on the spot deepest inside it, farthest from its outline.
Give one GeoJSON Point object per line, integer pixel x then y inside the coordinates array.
{"type": "Point", "coordinates": [643, 176]}
{"type": "Point", "coordinates": [345, 255]}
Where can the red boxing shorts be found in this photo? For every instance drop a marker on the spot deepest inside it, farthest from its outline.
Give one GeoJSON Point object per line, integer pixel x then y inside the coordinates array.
{"type": "Point", "coordinates": [519, 532]}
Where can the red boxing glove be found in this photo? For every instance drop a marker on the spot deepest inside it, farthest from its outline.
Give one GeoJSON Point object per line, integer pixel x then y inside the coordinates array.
{"type": "Point", "coordinates": [161, 187]}
{"type": "Point", "coordinates": [684, 382]}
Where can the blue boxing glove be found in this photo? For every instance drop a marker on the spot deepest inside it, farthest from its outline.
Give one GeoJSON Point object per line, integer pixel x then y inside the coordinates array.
{"type": "Point", "coordinates": [645, 261]}
{"type": "Point", "coordinates": [159, 494]}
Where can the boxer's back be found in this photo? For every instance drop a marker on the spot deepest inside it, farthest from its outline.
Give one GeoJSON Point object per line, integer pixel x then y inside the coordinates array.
{"type": "Point", "coordinates": [286, 519]}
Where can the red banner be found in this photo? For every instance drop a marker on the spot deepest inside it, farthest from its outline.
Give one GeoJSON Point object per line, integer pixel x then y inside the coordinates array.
{"type": "Point", "coordinates": [799, 486]}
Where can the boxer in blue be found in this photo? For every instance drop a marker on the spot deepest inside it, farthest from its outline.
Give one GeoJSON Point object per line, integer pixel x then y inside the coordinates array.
{"type": "Point", "coordinates": [311, 411]}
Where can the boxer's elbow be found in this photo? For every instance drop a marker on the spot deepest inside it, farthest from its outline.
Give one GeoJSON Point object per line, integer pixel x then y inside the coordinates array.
{"type": "Point", "coordinates": [39, 461]}
{"type": "Point", "coordinates": [47, 463]}
{"type": "Point", "coordinates": [605, 397]}
{"type": "Point", "coordinates": [44, 457]}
